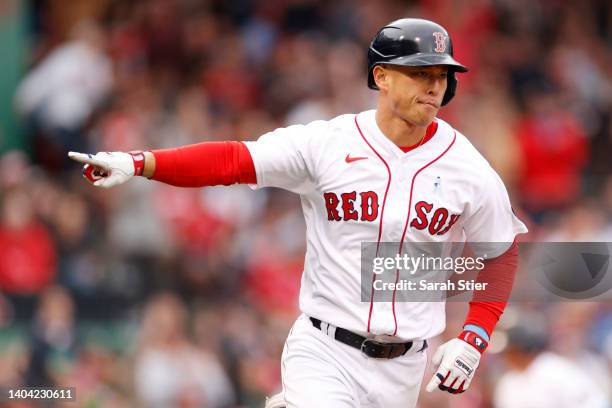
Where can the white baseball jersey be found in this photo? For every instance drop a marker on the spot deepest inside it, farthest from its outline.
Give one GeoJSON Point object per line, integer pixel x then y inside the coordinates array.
{"type": "Point", "coordinates": [357, 186]}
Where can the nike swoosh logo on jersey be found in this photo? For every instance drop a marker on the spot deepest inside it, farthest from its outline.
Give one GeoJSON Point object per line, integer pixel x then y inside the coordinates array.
{"type": "Point", "coordinates": [353, 159]}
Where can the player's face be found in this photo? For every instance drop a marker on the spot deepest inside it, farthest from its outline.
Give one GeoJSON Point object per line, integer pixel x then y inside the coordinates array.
{"type": "Point", "coordinates": [415, 93]}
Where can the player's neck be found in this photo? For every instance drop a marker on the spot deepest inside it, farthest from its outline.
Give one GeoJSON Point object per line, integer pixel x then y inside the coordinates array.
{"type": "Point", "coordinates": [398, 130]}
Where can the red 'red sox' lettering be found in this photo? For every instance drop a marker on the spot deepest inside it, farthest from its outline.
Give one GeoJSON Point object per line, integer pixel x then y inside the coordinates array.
{"type": "Point", "coordinates": [348, 206]}
{"type": "Point", "coordinates": [367, 206]}
{"type": "Point", "coordinates": [441, 220]}
{"type": "Point", "coordinates": [331, 202]}
{"type": "Point", "coordinates": [422, 209]}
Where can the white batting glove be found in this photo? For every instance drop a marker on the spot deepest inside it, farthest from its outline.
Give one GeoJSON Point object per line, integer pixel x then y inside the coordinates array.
{"type": "Point", "coordinates": [455, 363]}
{"type": "Point", "coordinates": [109, 169]}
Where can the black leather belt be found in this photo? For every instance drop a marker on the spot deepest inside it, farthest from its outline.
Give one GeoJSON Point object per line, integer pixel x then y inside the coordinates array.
{"type": "Point", "coordinates": [369, 347]}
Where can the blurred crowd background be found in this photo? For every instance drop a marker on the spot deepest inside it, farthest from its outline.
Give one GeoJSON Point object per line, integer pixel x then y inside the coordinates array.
{"type": "Point", "coordinates": [154, 296]}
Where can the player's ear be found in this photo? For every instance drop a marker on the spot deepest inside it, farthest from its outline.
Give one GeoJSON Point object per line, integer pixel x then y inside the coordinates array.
{"type": "Point", "coordinates": [381, 77]}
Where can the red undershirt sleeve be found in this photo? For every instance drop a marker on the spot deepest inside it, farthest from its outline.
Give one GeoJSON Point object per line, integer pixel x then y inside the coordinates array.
{"type": "Point", "coordinates": [205, 164]}
{"type": "Point", "coordinates": [488, 305]}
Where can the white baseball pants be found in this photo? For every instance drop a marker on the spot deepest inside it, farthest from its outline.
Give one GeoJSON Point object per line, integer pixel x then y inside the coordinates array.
{"type": "Point", "coordinates": [318, 371]}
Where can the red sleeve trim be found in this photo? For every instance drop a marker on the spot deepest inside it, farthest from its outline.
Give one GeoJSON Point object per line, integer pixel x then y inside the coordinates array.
{"type": "Point", "coordinates": [488, 305]}
{"type": "Point", "coordinates": [205, 164]}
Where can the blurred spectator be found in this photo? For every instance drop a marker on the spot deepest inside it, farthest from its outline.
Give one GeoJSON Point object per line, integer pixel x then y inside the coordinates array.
{"type": "Point", "coordinates": [584, 222]}
{"type": "Point", "coordinates": [28, 260]}
{"type": "Point", "coordinates": [62, 92]}
{"type": "Point", "coordinates": [53, 338]}
{"type": "Point", "coordinates": [554, 151]}
{"type": "Point", "coordinates": [14, 168]}
{"type": "Point", "coordinates": [490, 103]}
{"type": "Point", "coordinates": [540, 378]}
{"type": "Point", "coordinates": [100, 377]}
{"type": "Point", "coordinates": [169, 370]}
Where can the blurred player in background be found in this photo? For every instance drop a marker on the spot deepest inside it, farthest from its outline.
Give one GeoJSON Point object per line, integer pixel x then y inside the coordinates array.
{"type": "Point", "coordinates": [545, 379]}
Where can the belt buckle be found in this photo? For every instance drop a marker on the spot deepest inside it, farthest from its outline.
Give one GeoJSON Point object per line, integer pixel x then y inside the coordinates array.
{"type": "Point", "coordinates": [373, 349]}
{"type": "Point", "coordinates": [386, 350]}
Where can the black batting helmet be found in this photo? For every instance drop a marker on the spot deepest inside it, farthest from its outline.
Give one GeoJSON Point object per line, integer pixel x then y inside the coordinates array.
{"type": "Point", "coordinates": [414, 42]}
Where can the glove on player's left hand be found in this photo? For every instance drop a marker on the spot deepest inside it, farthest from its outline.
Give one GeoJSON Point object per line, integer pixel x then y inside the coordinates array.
{"type": "Point", "coordinates": [456, 362]}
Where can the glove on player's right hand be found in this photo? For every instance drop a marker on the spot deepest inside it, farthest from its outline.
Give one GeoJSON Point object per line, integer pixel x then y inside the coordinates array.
{"type": "Point", "coordinates": [109, 169]}
{"type": "Point", "coordinates": [456, 361]}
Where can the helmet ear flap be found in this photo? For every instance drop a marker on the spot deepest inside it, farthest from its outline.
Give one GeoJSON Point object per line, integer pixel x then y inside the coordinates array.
{"type": "Point", "coordinates": [371, 81]}
{"type": "Point", "coordinates": [372, 61]}
{"type": "Point", "coordinates": [451, 88]}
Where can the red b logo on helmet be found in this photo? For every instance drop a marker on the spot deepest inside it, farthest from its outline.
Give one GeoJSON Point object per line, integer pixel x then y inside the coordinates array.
{"type": "Point", "coordinates": [440, 41]}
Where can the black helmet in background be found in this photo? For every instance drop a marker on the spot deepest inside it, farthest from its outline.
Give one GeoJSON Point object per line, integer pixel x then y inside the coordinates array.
{"type": "Point", "coordinates": [414, 42]}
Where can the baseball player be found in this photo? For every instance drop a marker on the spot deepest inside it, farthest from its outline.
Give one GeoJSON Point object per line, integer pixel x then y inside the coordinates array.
{"type": "Point", "coordinates": [393, 174]}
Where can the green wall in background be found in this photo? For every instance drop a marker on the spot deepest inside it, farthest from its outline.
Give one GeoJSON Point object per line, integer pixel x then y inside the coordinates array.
{"type": "Point", "coordinates": [14, 48]}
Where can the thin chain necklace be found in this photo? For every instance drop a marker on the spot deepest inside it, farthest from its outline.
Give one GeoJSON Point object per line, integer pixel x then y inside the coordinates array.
{"type": "Point", "coordinates": [420, 143]}
{"type": "Point", "coordinates": [423, 138]}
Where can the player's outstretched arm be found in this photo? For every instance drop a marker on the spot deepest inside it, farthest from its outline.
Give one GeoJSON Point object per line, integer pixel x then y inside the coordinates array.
{"type": "Point", "coordinates": [198, 165]}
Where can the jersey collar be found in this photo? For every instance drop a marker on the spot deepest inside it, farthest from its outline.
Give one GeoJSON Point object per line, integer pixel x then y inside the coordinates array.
{"type": "Point", "coordinates": [434, 137]}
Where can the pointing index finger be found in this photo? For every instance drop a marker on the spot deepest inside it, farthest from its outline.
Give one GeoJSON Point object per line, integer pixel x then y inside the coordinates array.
{"type": "Point", "coordinates": [80, 157]}
{"type": "Point", "coordinates": [85, 158]}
